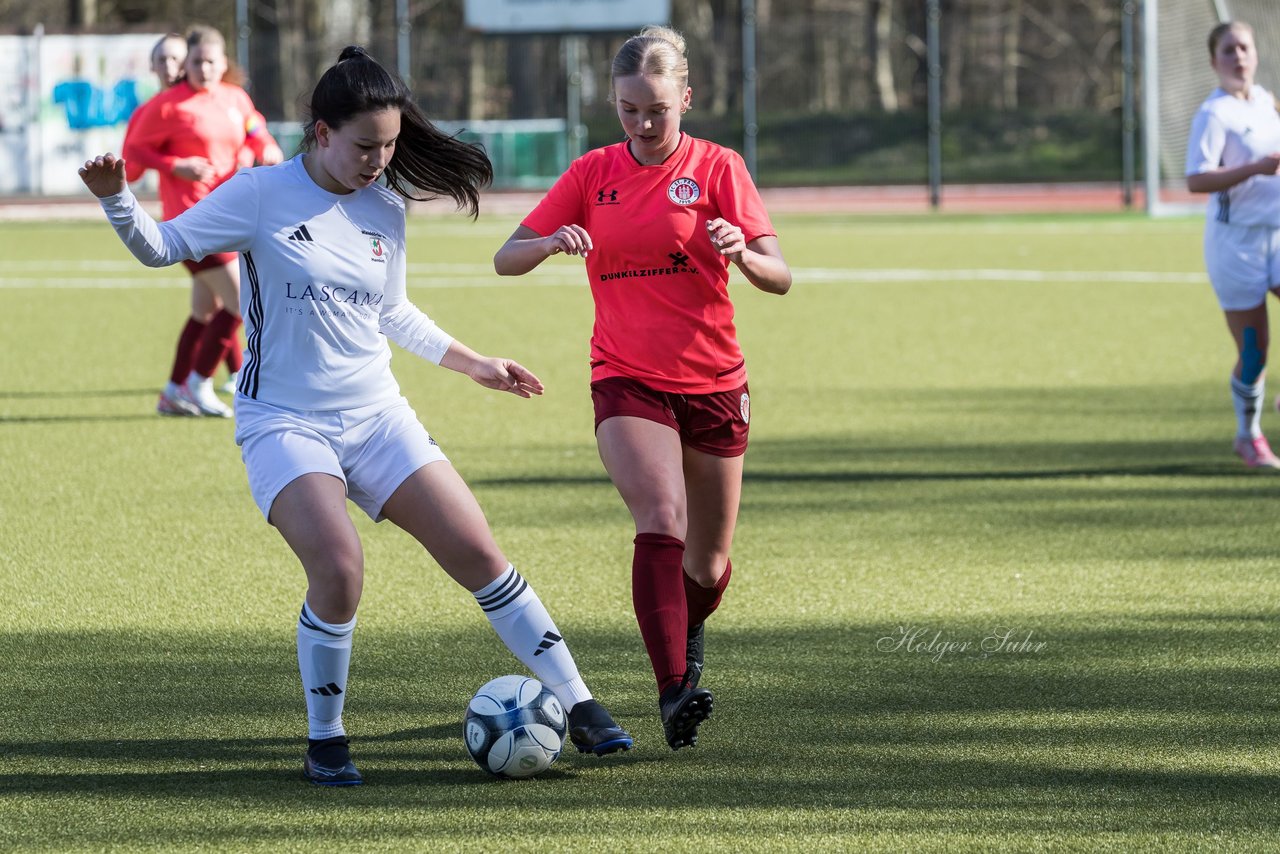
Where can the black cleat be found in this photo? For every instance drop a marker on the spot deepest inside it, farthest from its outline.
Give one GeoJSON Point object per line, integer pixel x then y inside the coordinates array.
{"type": "Point", "coordinates": [593, 730]}
{"type": "Point", "coordinates": [693, 654]}
{"type": "Point", "coordinates": [683, 708]}
{"type": "Point", "coordinates": [328, 763]}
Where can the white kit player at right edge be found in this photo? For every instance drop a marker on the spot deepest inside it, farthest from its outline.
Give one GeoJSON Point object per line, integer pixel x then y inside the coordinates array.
{"type": "Point", "coordinates": [1233, 153]}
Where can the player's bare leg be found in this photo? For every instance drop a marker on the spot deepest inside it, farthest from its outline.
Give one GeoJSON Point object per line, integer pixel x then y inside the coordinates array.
{"type": "Point", "coordinates": [311, 515]}
{"type": "Point", "coordinates": [222, 284]}
{"type": "Point", "coordinates": [714, 488]}
{"type": "Point", "coordinates": [1248, 385]}
{"type": "Point", "coordinates": [437, 508]}
{"type": "Point", "coordinates": [645, 461]}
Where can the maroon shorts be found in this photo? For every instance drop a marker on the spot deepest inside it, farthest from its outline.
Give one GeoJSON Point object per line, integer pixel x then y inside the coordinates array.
{"type": "Point", "coordinates": [217, 259]}
{"type": "Point", "coordinates": [711, 423]}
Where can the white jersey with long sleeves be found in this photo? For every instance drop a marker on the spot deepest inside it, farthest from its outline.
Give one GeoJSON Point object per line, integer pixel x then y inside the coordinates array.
{"type": "Point", "coordinates": [1228, 132]}
{"type": "Point", "coordinates": [322, 282]}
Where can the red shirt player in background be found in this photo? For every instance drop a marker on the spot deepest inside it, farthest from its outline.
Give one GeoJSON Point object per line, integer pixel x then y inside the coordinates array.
{"type": "Point", "coordinates": [168, 57]}
{"type": "Point", "coordinates": [657, 219]}
{"type": "Point", "coordinates": [193, 134]}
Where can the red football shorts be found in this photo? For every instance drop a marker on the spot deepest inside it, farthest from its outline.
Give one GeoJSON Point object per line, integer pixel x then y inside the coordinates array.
{"type": "Point", "coordinates": [711, 423]}
{"type": "Point", "coordinates": [217, 259]}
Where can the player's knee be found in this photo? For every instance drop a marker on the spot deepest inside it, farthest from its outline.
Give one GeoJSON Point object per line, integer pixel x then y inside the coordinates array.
{"type": "Point", "coordinates": [1253, 359]}
{"type": "Point", "coordinates": [662, 517]}
{"type": "Point", "coordinates": [705, 567]}
{"type": "Point", "coordinates": [339, 577]}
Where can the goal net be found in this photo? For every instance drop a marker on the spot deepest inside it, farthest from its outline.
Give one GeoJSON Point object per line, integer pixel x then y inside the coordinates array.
{"type": "Point", "coordinates": [1177, 78]}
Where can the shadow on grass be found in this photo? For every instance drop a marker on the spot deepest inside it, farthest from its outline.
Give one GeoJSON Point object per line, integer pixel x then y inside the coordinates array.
{"type": "Point", "coordinates": [78, 419]}
{"type": "Point", "coordinates": [983, 434]}
{"type": "Point", "coordinates": [76, 395]}
{"type": "Point", "coordinates": [1155, 711]}
{"type": "Point", "coordinates": [846, 459]}
{"type": "Point", "coordinates": [146, 414]}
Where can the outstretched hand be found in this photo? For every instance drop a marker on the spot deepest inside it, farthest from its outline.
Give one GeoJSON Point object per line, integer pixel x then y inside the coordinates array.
{"type": "Point", "coordinates": [505, 375]}
{"type": "Point", "coordinates": [103, 175]}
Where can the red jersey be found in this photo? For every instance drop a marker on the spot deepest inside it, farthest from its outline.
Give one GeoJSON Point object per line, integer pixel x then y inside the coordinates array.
{"type": "Point", "coordinates": [214, 123]}
{"type": "Point", "coordinates": [663, 314]}
{"type": "Point", "coordinates": [132, 169]}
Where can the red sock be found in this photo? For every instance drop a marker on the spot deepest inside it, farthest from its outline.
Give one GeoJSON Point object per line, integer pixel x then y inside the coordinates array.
{"type": "Point", "coordinates": [218, 337]}
{"type": "Point", "coordinates": [703, 601]}
{"type": "Point", "coordinates": [658, 598]}
{"type": "Point", "coordinates": [235, 356]}
{"type": "Point", "coordinates": [186, 354]}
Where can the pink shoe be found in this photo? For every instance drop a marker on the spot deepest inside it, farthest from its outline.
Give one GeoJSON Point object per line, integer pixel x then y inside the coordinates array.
{"type": "Point", "coordinates": [1256, 453]}
{"type": "Point", "coordinates": [173, 405]}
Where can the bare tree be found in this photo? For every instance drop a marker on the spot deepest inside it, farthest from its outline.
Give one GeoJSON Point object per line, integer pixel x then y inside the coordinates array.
{"type": "Point", "coordinates": [881, 44]}
{"type": "Point", "coordinates": [1010, 58]}
{"type": "Point", "coordinates": [955, 39]}
{"type": "Point", "coordinates": [814, 56]}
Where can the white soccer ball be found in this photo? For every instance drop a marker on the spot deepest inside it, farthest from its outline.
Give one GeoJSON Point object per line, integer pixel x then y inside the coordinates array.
{"type": "Point", "coordinates": [515, 727]}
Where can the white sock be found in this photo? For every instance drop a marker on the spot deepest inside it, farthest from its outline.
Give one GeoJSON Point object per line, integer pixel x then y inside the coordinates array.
{"type": "Point", "coordinates": [194, 379]}
{"type": "Point", "coordinates": [1248, 404]}
{"type": "Point", "coordinates": [171, 389]}
{"type": "Point", "coordinates": [324, 655]}
{"type": "Point", "coordinates": [520, 619]}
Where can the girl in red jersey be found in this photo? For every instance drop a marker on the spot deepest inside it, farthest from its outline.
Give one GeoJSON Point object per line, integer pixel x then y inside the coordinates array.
{"type": "Point", "coordinates": [192, 135]}
{"type": "Point", "coordinates": [657, 219]}
{"type": "Point", "coordinates": [168, 57]}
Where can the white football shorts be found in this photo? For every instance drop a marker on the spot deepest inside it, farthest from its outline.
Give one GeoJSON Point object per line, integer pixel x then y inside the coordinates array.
{"type": "Point", "coordinates": [1243, 262]}
{"type": "Point", "coordinates": [372, 449]}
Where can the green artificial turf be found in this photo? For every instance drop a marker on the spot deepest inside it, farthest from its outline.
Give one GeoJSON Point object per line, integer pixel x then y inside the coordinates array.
{"type": "Point", "coordinates": [999, 582]}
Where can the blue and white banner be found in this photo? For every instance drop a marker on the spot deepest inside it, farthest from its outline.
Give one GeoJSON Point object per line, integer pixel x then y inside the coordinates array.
{"type": "Point", "coordinates": [64, 99]}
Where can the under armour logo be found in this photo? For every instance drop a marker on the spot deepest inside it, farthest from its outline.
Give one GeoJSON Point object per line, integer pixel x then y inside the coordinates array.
{"type": "Point", "coordinates": [302, 235]}
{"type": "Point", "coordinates": [330, 690]}
{"type": "Point", "coordinates": [549, 640]}
{"type": "Point", "coordinates": [678, 259]}
{"type": "Point", "coordinates": [611, 194]}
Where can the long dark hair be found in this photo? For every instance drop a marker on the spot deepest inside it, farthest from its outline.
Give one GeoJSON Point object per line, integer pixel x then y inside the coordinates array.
{"type": "Point", "coordinates": [426, 158]}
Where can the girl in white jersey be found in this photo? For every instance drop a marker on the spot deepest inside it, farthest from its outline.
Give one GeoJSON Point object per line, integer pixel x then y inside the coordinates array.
{"type": "Point", "coordinates": [1234, 153]}
{"type": "Point", "coordinates": [319, 416]}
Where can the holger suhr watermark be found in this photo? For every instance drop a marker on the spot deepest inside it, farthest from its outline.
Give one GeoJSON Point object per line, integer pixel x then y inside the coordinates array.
{"type": "Point", "coordinates": [937, 644]}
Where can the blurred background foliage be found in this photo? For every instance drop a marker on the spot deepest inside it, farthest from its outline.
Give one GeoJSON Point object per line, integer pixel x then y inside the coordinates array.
{"type": "Point", "coordinates": [1031, 89]}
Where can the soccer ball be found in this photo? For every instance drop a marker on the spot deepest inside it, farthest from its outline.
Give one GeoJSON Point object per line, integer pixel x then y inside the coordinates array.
{"type": "Point", "coordinates": [515, 727]}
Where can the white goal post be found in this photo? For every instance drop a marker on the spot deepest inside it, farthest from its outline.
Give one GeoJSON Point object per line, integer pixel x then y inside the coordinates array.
{"type": "Point", "coordinates": [1177, 78]}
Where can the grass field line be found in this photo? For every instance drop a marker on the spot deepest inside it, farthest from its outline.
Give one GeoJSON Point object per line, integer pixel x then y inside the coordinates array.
{"type": "Point", "coordinates": [994, 275]}
{"type": "Point", "coordinates": [994, 226]}
{"type": "Point", "coordinates": [481, 275]}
